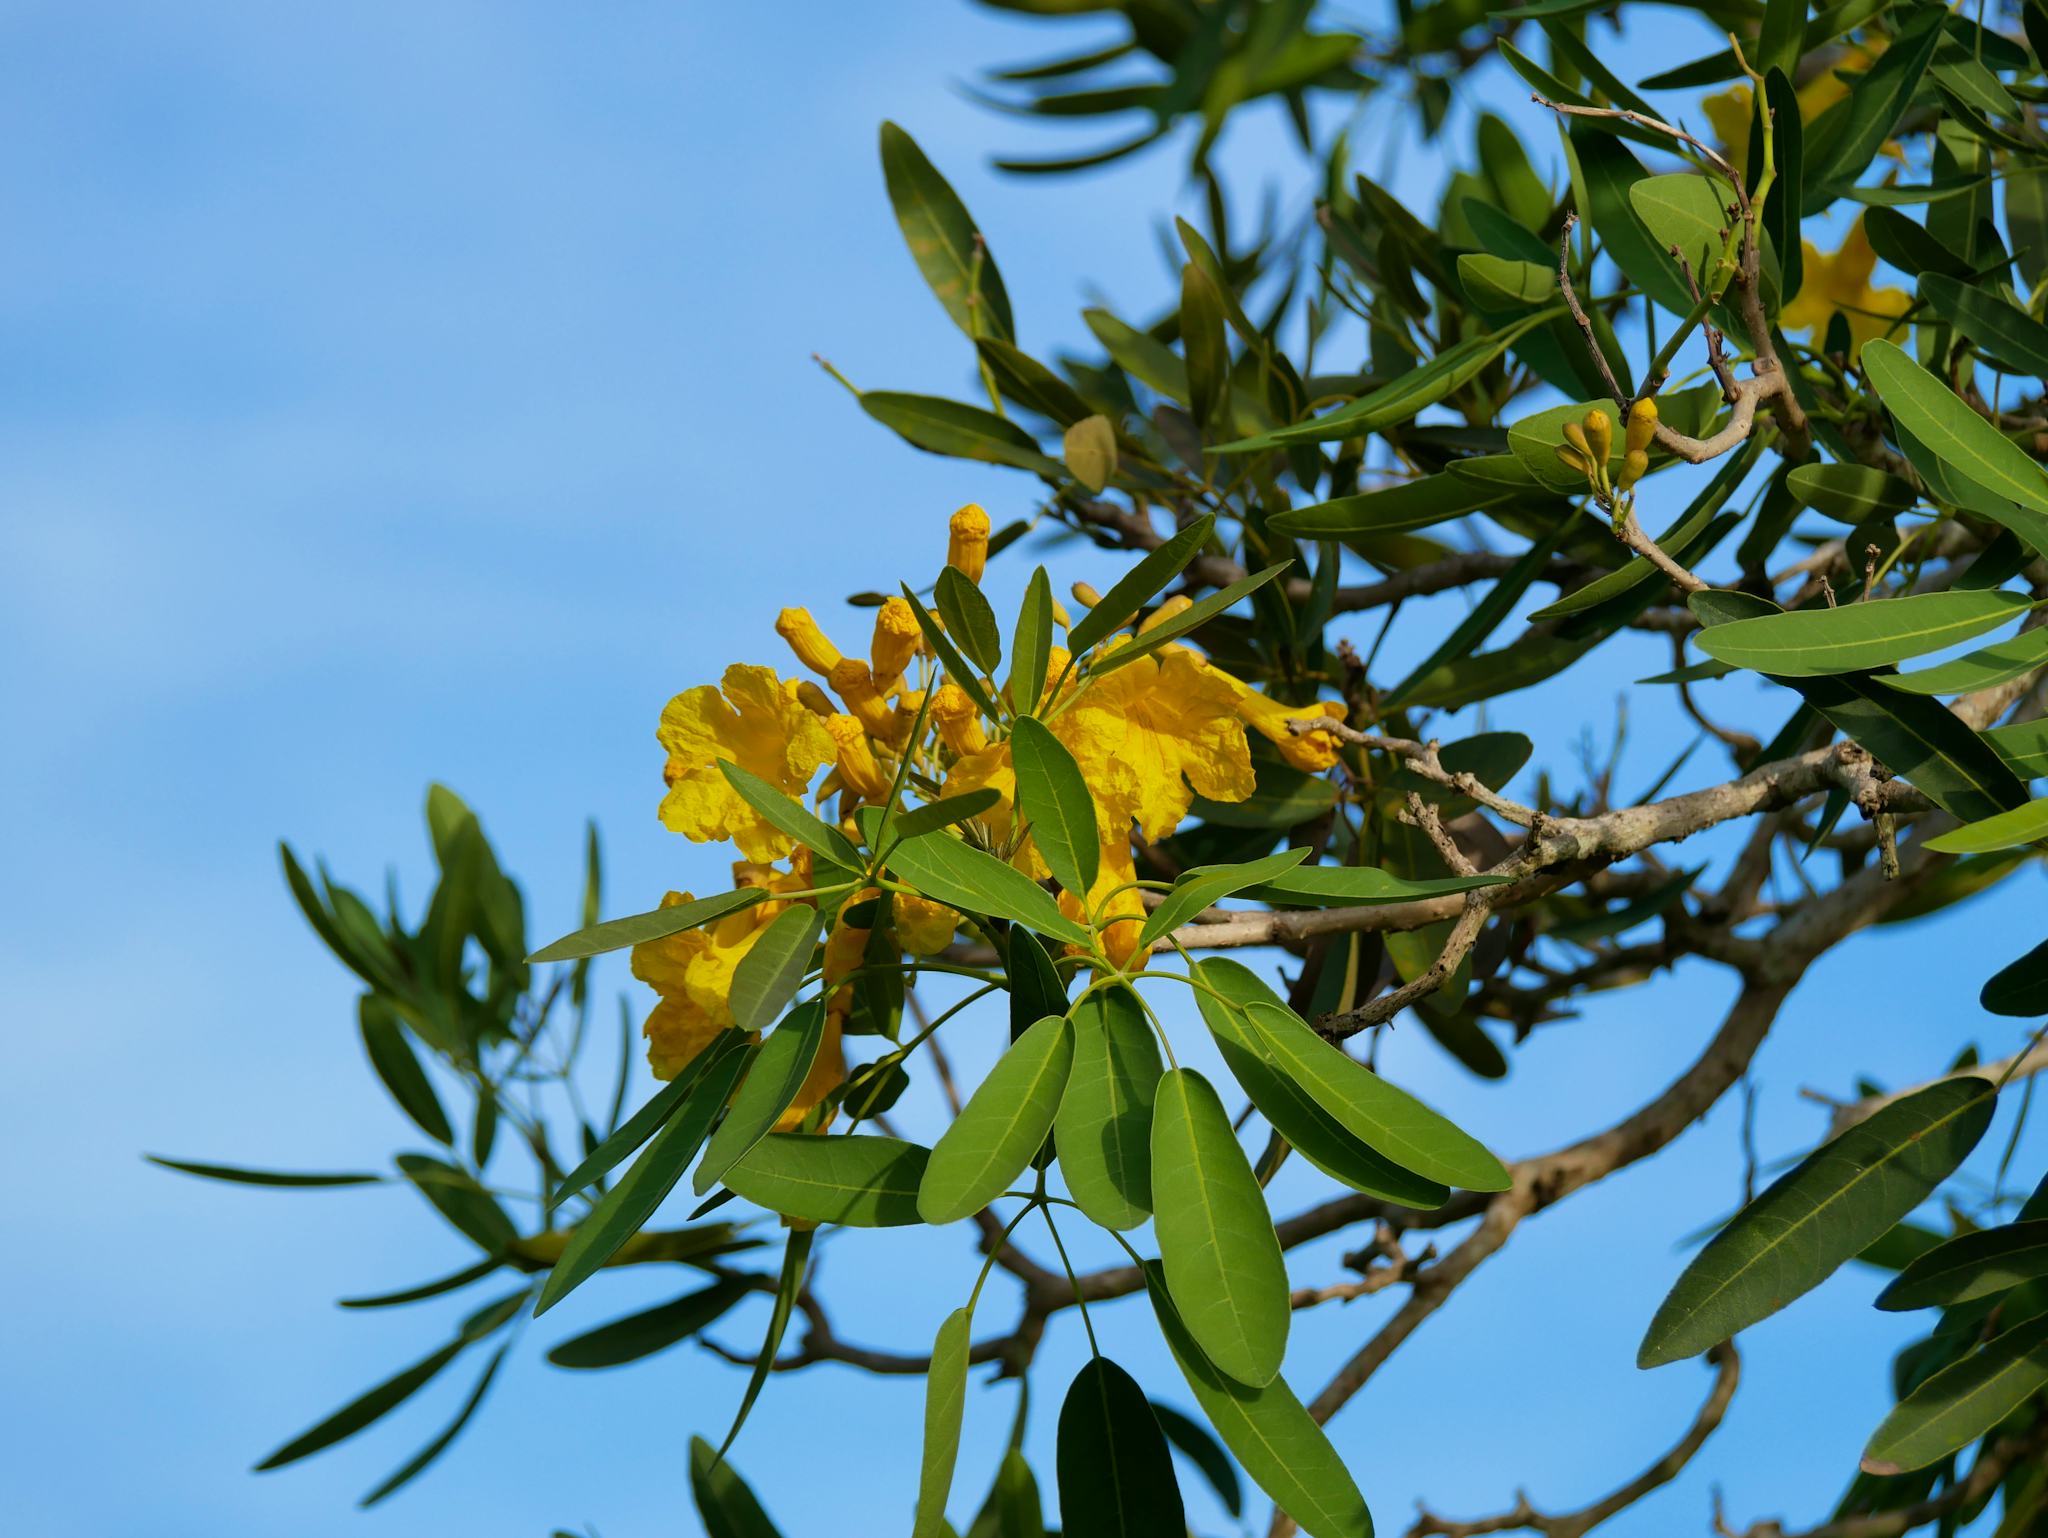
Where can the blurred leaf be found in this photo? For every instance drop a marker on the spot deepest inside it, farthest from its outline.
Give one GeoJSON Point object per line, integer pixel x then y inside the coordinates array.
{"type": "Point", "coordinates": [1846, 138]}
{"type": "Point", "coordinates": [2020, 987]}
{"type": "Point", "coordinates": [1206, 345]}
{"type": "Point", "coordinates": [942, 238]}
{"type": "Point", "coordinates": [2001, 329]}
{"type": "Point", "coordinates": [1203, 1450]}
{"type": "Point", "coordinates": [417, 1465]}
{"type": "Point", "coordinates": [1334, 886]}
{"type": "Point", "coordinates": [239, 1175]}
{"type": "Point", "coordinates": [398, 1069]}
{"type": "Point", "coordinates": [434, 1289]}
{"type": "Point", "coordinates": [467, 1206]}
{"type": "Point", "coordinates": [725, 1503]}
{"type": "Point", "coordinates": [1089, 448]}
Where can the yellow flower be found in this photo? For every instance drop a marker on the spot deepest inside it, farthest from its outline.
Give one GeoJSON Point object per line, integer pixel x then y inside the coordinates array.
{"type": "Point", "coordinates": [755, 723]}
{"type": "Point", "coordinates": [1173, 607]}
{"type": "Point", "coordinates": [1731, 114]}
{"type": "Point", "coordinates": [856, 685]}
{"type": "Point", "coordinates": [812, 649]}
{"type": "Point", "coordinates": [1842, 282]}
{"type": "Point", "coordinates": [923, 927]}
{"type": "Point", "coordinates": [895, 643]}
{"type": "Point", "coordinates": [692, 972]}
{"type": "Point", "coordinates": [1310, 752]}
{"type": "Point", "coordinates": [958, 721]}
{"type": "Point", "coordinates": [967, 542]}
{"type": "Point", "coordinates": [1122, 916]}
{"type": "Point", "coordinates": [1150, 736]}
{"type": "Point", "coordinates": [859, 771]}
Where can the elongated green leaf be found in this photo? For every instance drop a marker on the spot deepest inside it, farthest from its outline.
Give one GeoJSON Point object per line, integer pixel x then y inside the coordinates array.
{"type": "Point", "coordinates": [655, 1329]}
{"type": "Point", "coordinates": [467, 1206]}
{"type": "Point", "coordinates": [1199, 1446]}
{"type": "Point", "coordinates": [955, 665]}
{"type": "Point", "coordinates": [1273, 1436]}
{"type": "Point", "coordinates": [1961, 439]}
{"type": "Point", "coordinates": [789, 816]}
{"type": "Point", "coordinates": [240, 1175]}
{"type": "Point", "coordinates": [862, 1182]}
{"type": "Point", "coordinates": [1141, 355]}
{"type": "Point", "coordinates": [1845, 139]}
{"type": "Point", "coordinates": [1031, 644]}
{"type": "Point", "coordinates": [1855, 637]}
{"type": "Point", "coordinates": [1414, 391]}
{"type": "Point", "coordinates": [1216, 1240]}
{"type": "Point", "coordinates": [1206, 884]}
{"type": "Point", "coordinates": [1850, 493]}
{"type": "Point", "coordinates": [1919, 739]}
{"type": "Point", "coordinates": [1227, 989]}
{"type": "Point", "coordinates": [1343, 886]}
{"type": "Point", "coordinates": [970, 622]}
{"type": "Point", "coordinates": [419, 1462]}
{"type": "Point", "coordinates": [1115, 1470]}
{"type": "Point", "coordinates": [770, 1088]}
{"type": "Point", "coordinates": [1054, 799]}
{"type": "Point", "coordinates": [945, 1398]}
{"type": "Point", "coordinates": [623, 1210]}
{"type": "Point", "coordinates": [1971, 1266]}
{"type": "Point", "coordinates": [2006, 830]}
{"type": "Point", "coordinates": [617, 934]}
{"type": "Point", "coordinates": [1138, 586]}
{"type": "Point", "coordinates": [1686, 210]}
{"type": "Point", "coordinates": [1998, 663]}
{"type": "Point", "coordinates": [1484, 617]}
{"type": "Point", "coordinates": [434, 1289]}
{"type": "Point", "coordinates": [1834, 1203]}
{"type": "Point", "coordinates": [1002, 1125]}
{"type": "Point", "coordinates": [767, 977]}
{"type": "Point", "coordinates": [1468, 680]}
{"type": "Point", "coordinates": [942, 238]}
{"type": "Point", "coordinates": [726, 1504]}
{"type": "Point", "coordinates": [1386, 1119]}
{"type": "Point", "coordinates": [944, 813]}
{"type": "Point", "coordinates": [1503, 285]}
{"type": "Point", "coordinates": [1962, 1401]}
{"type": "Point", "coordinates": [1193, 617]}
{"type": "Point", "coordinates": [398, 1067]}
{"type": "Point", "coordinates": [948, 871]}
{"type": "Point", "coordinates": [363, 1410]}
{"type": "Point", "coordinates": [1036, 989]}
{"type": "Point", "coordinates": [1205, 341]}
{"type": "Point", "coordinates": [796, 1255]}
{"type": "Point", "coordinates": [2020, 987]}
{"type": "Point", "coordinates": [2002, 329]}
{"type": "Point", "coordinates": [1104, 1126]}
{"type": "Point", "coordinates": [642, 1124]}
{"type": "Point", "coordinates": [1395, 509]}
{"type": "Point", "coordinates": [959, 431]}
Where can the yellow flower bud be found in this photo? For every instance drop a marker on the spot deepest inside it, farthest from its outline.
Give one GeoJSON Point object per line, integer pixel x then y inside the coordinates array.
{"type": "Point", "coordinates": [856, 685]}
{"type": "Point", "coordinates": [808, 642]}
{"type": "Point", "coordinates": [1179, 603]}
{"type": "Point", "coordinates": [958, 721]}
{"type": "Point", "coordinates": [1085, 595]}
{"type": "Point", "coordinates": [1642, 425]}
{"type": "Point", "coordinates": [1633, 467]}
{"type": "Point", "coordinates": [967, 542]}
{"type": "Point", "coordinates": [895, 642]}
{"type": "Point", "coordinates": [1059, 614]}
{"type": "Point", "coordinates": [1599, 435]}
{"type": "Point", "coordinates": [1575, 435]}
{"type": "Point", "coordinates": [859, 771]}
{"type": "Point", "coordinates": [812, 698]}
{"type": "Point", "coordinates": [1574, 460]}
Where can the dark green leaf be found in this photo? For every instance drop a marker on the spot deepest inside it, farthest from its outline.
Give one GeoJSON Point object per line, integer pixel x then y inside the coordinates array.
{"type": "Point", "coordinates": [725, 1503]}
{"type": "Point", "coordinates": [779, 1071]}
{"type": "Point", "coordinates": [959, 431]}
{"type": "Point", "coordinates": [1484, 617]}
{"type": "Point", "coordinates": [948, 871]}
{"type": "Point", "coordinates": [1054, 799]}
{"type": "Point", "coordinates": [950, 659]}
{"type": "Point", "coordinates": [1138, 586]}
{"type": "Point", "coordinates": [467, 1206]}
{"type": "Point", "coordinates": [1846, 138]}
{"type": "Point", "coordinates": [796, 1254]}
{"type": "Point", "coordinates": [617, 934]}
{"type": "Point", "coordinates": [417, 1464]}
{"type": "Point", "coordinates": [362, 1411]}
{"type": "Point", "coordinates": [2020, 987]}
{"type": "Point", "coordinates": [942, 238]}
{"type": "Point", "coordinates": [392, 1057]}
{"type": "Point", "coordinates": [1971, 1266]}
{"type": "Point", "coordinates": [768, 976]}
{"type": "Point", "coordinates": [1333, 886]}
{"type": "Point", "coordinates": [943, 813]}
{"type": "Point", "coordinates": [1206, 344]}
{"type": "Point", "coordinates": [239, 1175]}
{"type": "Point", "coordinates": [1202, 1449]}
{"type": "Point", "coordinates": [789, 816]}
{"type": "Point", "coordinates": [1191, 618]}
{"type": "Point", "coordinates": [1104, 1126]}
{"type": "Point", "coordinates": [1396, 509]}
{"type": "Point", "coordinates": [862, 1182]}
{"type": "Point", "coordinates": [655, 1329]}
{"type": "Point", "coordinates": [970, 622]}
{"type": "Point", "coordinates": [2003, 330]}
{"type": "Point", "coordinates": [1962, 1401]}
{"type": "Point", "coordinates": [1115, 1471]}
{"type": "Point", "coordinates": [434, 1289]}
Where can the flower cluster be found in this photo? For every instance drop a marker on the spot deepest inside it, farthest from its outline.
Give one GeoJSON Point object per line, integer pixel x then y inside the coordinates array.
{"type": "Point", "coordinates": [1148, 737]}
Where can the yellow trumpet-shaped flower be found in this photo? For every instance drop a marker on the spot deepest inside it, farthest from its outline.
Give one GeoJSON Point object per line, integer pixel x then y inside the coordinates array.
{"type": "Point", "coordinates": [750, 719]}
{"type": "Point", "coordinates": [1122, 917]}
{"type": "Point", "coordinates": [957, 720]}
{"type": "Point", "coordinates": [967, 542]}
{"type": "Point", "coordinates": [859, 770]}
{"type": "Point", "coordinates": [895, 642]}
{"type": "Point", "coordinates": [1311, 752]}
{"type": "Point", "coordinates": [810, 644]}
{"type": "Point", "coordinates": [923, 927]}
{"type": "Point", "coordinates": [1152, 735]}
{"type": "Point", "coordinates": [854, 684]}
{"type": "Point", "coordinates": [692, 972]}
{"type": "Point", "coordinates": [1842, 282]}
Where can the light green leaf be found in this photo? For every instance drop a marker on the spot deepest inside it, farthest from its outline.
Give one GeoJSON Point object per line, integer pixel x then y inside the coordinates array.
{"type": "Point", "coordinates": [770, 1088]}
{"type": "Point", "coordinates": [862, 1182]}
{"type": "Point", "coordinates": [1833, 1204]}
{"type": "Point", "coordinates": [959, 431]}
{"type": "Point", "coordinates": [1273, 1436]}
{"type": "Point", "coordinates": [617, 934]}
{"type": "Point", "coordinates": [1940, 419]}
{"type": "Point", "coordinates": [1685, 210]}
{"type": "Point", "coordinates": [1850, 493]}
{"type": "Point", "coordinates": [1089, 448]}
{"type": "Point", "coordinates": [2005, 830]}
{"type": "Point", "coordinates": [1054, 799]}
{"type": "Point", "coordinates": [1998, 663]}
{"type": "Point", "coordinates": [942, 238]}
{"type": "Point", "coordinates": [945, 1400]}
{"type": "Point", "coordinates": [1962, 1401]}
{"type": "Point", "coordinates": [976, 882]}
{"type": "Point", "coordinates": [1136, 587]}
{"type": "Point", "coordinates": [1206, 884]}
{"type": "Point", "coordinates": [789, 816]}
{"type": "Point", "coordinates": [1031, 644]}
{"type": "Point", "coordinates": [1386, 1119]}
{"type": "Point", "coordinates": [970, 622]}
{"type": "Point", "coordinates": [1855, 637]}
{"type": "Point", "coordinates": [1004, 1122]}
{"type": "Point", "coordinates": [1104, 1127]}
{"type": "Point", "coordinates": [767, 977]}
{"type": "Point", "coordinates": [1971, 1266]}
{"type": "Point", "coordinates": [1502, 284]}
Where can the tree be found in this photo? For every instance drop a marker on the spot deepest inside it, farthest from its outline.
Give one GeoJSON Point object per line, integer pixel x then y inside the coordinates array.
{"type": "Point", "coordinates": [1056, 806]}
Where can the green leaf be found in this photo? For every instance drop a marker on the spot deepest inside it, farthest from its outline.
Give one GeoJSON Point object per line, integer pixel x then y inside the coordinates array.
{"type": "Point", "coordinates": [1054, 799]}
{"type": "Point", "coordinates": [1939, 418]}
{"type": "Point", "coordinates": [1216, 1241]}
{"type": "Point", "coordinates": [1921, 740]}
{"type": "Point", "coordinates": [948, 871]}
{"type": "Point", "coordinates": [1850, 493]}
{"type": "Point", "coordinates": [641, 1125]}
{"type": "Point", "coordinates": [2004, 830]}
{"type": "Point", "coordinates": [1396, 509]}
{"type": "Point", "coordinates": [418, 1463]}
{"type": "Point", "coordinates": [1501, 284]}
{"type": "Point", "coordinates": [617, 934]}
{"type": "Point", "coordinates": [1782, 38]}
{"type": "Point", "coordinates": [1193, 617]}
{"type": "Point", "coordinates": [396, 1066]}
{"type": "Point", "coordinates": [1031, 644]}
{"type": "Point", "coordinates": [1962, 1402]}
{"type": "Point", "coordinates": [1022, 379]}
{"type": "Point", "coordinates": [1229, 988]}
{"type": "Point", "coordinates": [1845, 139]}
{"type": "Point", "coordinates": [789, 816]}
{"type": "Point", "coordinates": [1485, 616]}
{"type": "Point", "coordinates": [2000, 328]}
{"type": "Point", "coordinates": [2020, 987]}
{"type": "Point", "coordinates": [1200, 1448]}
{"type": "Point", "coordinates": [1469, 680]}
{"type": "Point", "coordinates": [1835, 1202]}
{"type": "Point", "coordinates": [1143, 356]}
{"type": "Point", "coordinates": [942, 237]}
{"type": "Point", "coordinates": [944, 813]}
{"type": "Point", "coordinates": [1104, 1126]}
{"type": "Point", "coordinates": [1278, 1442]}
{"type": "Point", "coordinates": [1335, 886]}
{"type": "Point", "coordinates": [1386, 1119]}
{"type": "Point", "coordinates": [1855, 637]}
{"type": "Point", "coordinates": [945, 1399]}
{"type": "Point", "coordinates": [950, 659]}
{"type": "Point", "coordinates": [1089, 449]}
{"type": "Point", "coordinates": [1206, 343]}
{"type": "Point", "coordinates": [779, 1070]}
{"type": "Point", "coordinates": [959, 431]}
{"type": "Point", "coordinates": [1282, 797]}
{"type": "Point", "coordinates": [1035, 986]}
{"type": "Point", "coordinates": [1207, 884]}
{"type": "Point", "coordinates": [970, 622]}
{"type": "Point", "coordinates": [655, 1329]}
{"type": "Point", "coordinates": [467, 1206]}
{"type": "Point", "coordinates": [1115, 1470]}
{"type": "Point", "coordinates": [861, 1182]}
{"type": "Point", "coordinates": [1686, 210]}
{"type": "Point", "coordinates": [1415, 391]}
{"type": "Point", "coordinates": [1610, 171]}
{"type": "Point", "coordinates": [624, 1210]}
{"type": "Point", "coordinates": [1137, 587]}
{"type": "Point", "coordinates": [767, 977]}
{"type": "Point", "coordinates": [1971, 1266]}
{"type": "Point", "coordinates": [434, 1289]}
{"type": "Point", "coordinates": [363, 1410]}
{"type": "Point", "coordinates": [239, 1175]}
{"type": "Point", "coordinates": [1004, 1122]}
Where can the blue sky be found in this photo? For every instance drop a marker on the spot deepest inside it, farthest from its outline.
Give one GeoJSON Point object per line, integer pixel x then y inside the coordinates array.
{"type": "Point", "coordinates": [399, 393]}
